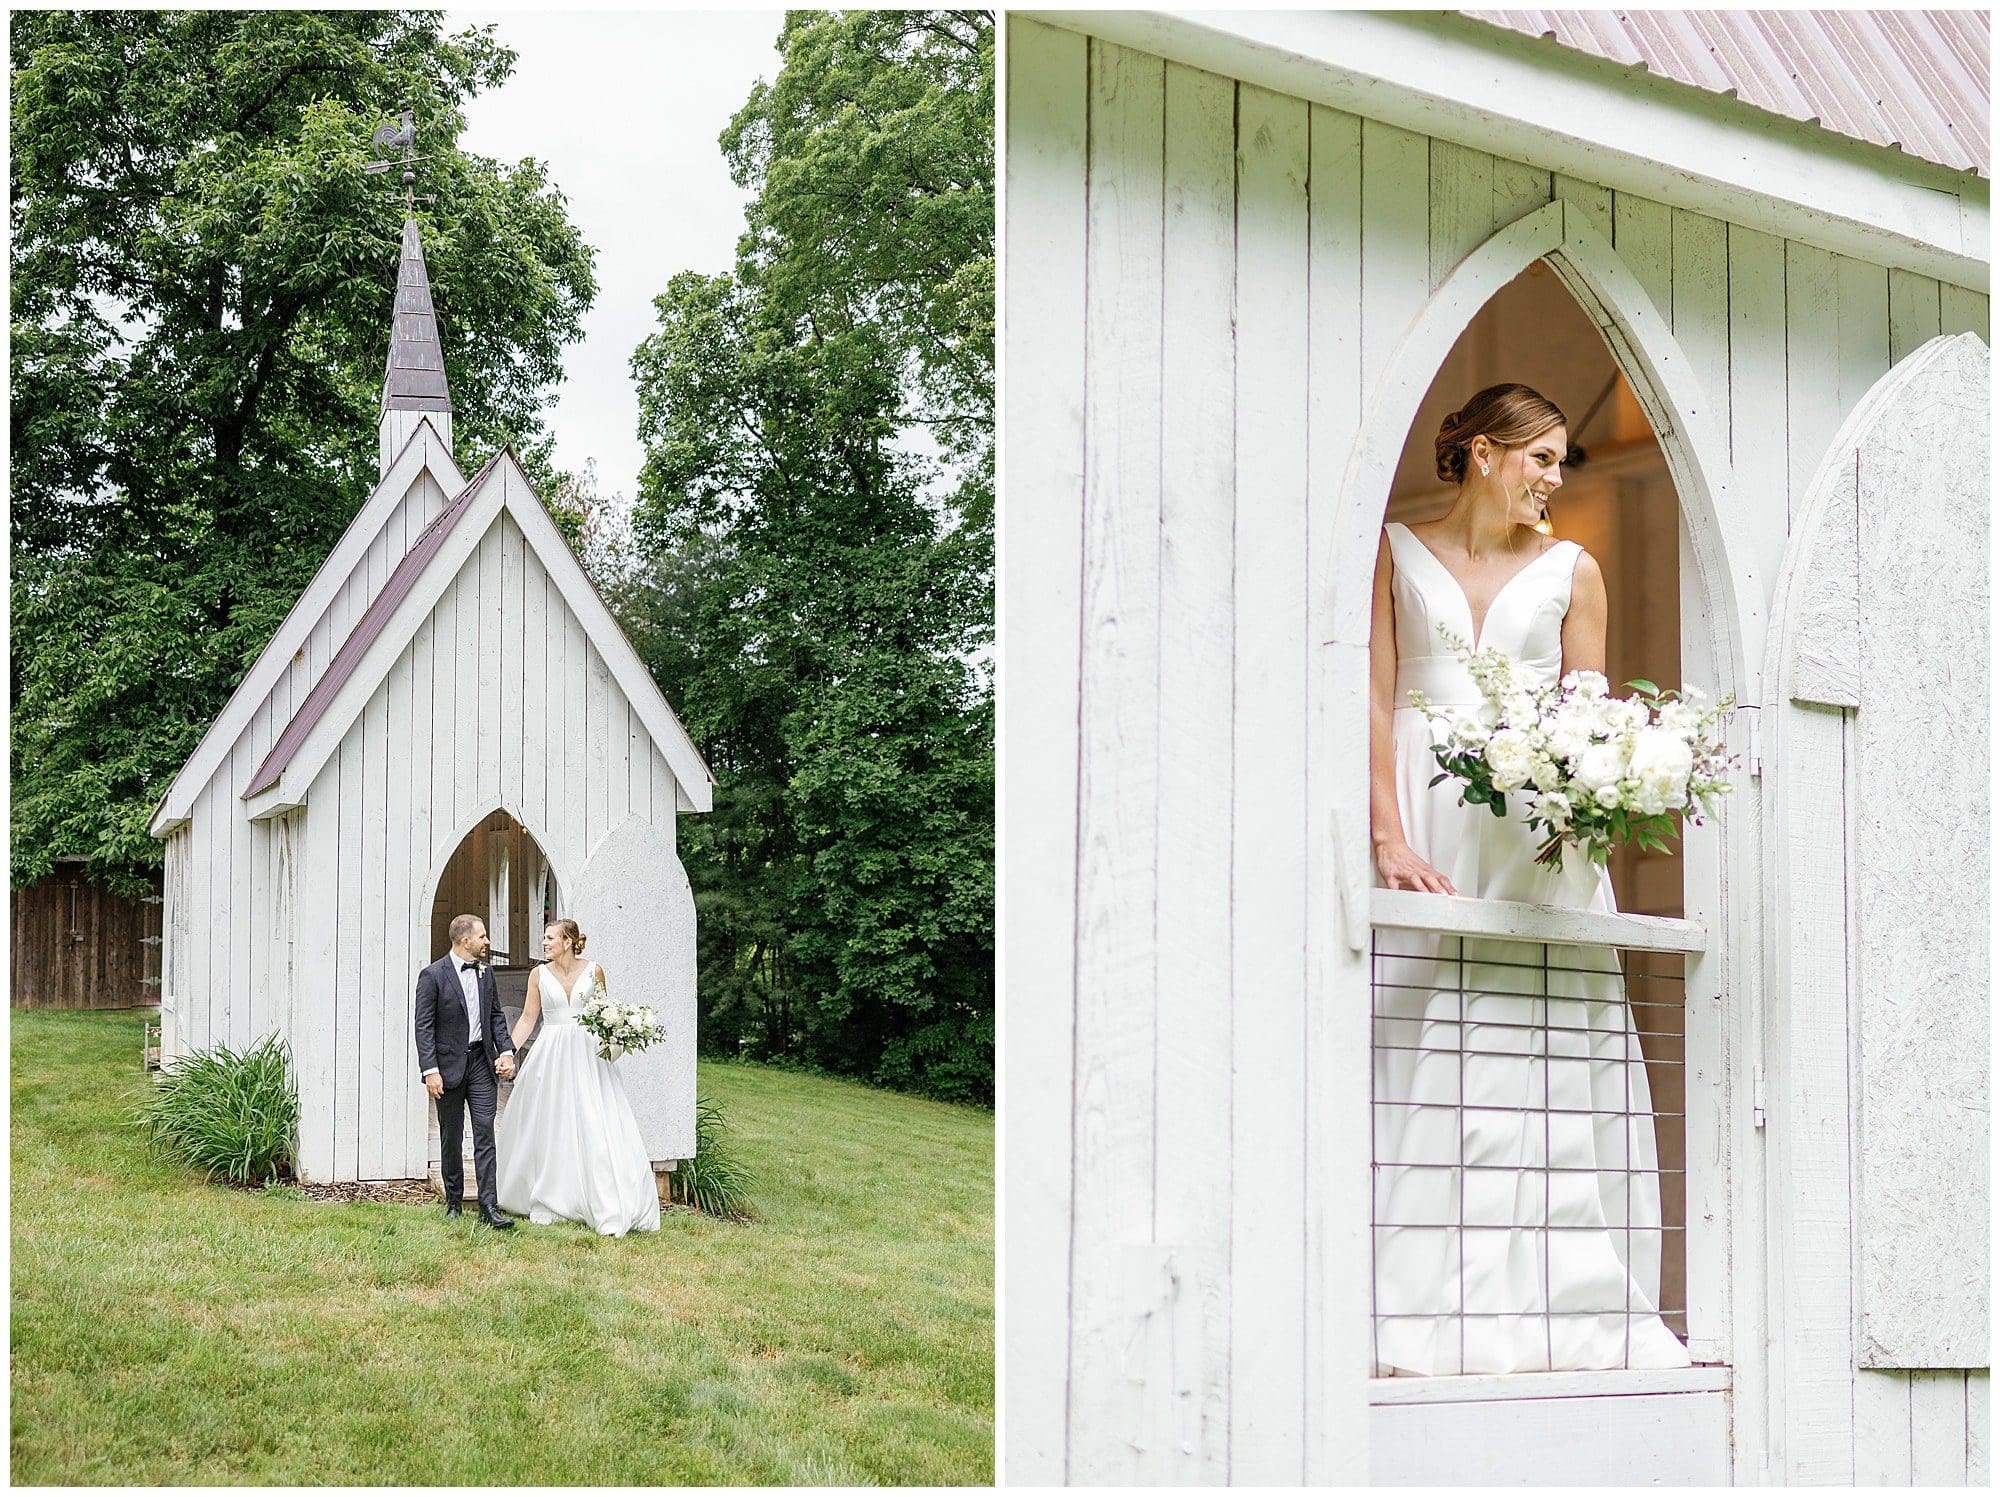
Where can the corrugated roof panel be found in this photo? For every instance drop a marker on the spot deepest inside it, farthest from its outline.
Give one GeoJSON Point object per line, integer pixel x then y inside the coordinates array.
{"type": "Point", "coordinates": [1916, 80]}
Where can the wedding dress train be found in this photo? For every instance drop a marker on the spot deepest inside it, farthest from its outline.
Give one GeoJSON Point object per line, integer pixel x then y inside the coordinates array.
{"type": "Point", "coordinates": [569, 1146]}
{"type": "Point", "coordinates": [1517, 1192]}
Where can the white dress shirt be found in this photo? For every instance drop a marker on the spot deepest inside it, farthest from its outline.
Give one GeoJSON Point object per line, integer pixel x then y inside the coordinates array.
{"type": "Point", "coordinates": [468, 987]}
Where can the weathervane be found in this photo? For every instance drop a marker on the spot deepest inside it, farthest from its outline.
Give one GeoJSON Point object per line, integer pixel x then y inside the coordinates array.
{"type": "Point", "coordinates": [388, 138]}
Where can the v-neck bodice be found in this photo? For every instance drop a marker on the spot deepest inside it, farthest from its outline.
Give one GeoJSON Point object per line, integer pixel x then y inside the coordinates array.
{"type": "Point", "coordinates": [1524, 619]}
{"type": "Point", "coordinates": [561, 1001]}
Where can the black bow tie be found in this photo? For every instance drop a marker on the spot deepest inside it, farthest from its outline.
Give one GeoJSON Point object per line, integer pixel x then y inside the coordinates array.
{"type": "Point", "coordinates": [467, 966]}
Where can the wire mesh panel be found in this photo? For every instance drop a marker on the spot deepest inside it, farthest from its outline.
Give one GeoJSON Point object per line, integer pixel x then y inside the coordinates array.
{"type": "Point", "coordinates": [1520, 1219]}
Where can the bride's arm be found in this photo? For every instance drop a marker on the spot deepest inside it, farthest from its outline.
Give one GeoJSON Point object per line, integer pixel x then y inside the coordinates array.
{"type": "Point", "coordinates": [1584, 624]}
{"type": "Point", "coordinates": [531, 1009]}
{"type": "Point", "coordinates": [1395, 859]}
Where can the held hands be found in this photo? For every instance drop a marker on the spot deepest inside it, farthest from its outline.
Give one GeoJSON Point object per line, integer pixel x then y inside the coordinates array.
{"type": "Point", "coordinates": [505, 1066]}
{"type": "Point", "coordinates": [1401, 868]}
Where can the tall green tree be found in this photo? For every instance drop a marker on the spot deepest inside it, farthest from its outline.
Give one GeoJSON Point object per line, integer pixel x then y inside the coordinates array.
{"type": "Point", "coordinates": [814, 539]}
{"type": "Point", "coordinates": [201, 295]}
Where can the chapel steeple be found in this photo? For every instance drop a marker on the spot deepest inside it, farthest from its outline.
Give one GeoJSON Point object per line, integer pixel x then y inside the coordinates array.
{"type": "Point", "coordinates": [414, 388]}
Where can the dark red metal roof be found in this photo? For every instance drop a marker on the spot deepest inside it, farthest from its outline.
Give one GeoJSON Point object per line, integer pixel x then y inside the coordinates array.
{"type": "Point", "coordinates": [364, 633]}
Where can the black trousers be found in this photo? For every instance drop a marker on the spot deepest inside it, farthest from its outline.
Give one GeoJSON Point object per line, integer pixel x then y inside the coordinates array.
{"type": "Point", "coordinates": [480, 1092]}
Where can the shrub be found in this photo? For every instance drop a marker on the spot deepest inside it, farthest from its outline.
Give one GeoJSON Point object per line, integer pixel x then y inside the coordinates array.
{"type": "Point", "coordinates": [228, 1115]}
{"type": "Point", "coordinates": [715, 1180]}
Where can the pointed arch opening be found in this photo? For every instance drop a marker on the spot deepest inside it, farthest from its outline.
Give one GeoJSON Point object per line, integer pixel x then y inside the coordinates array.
{"type": "Point", "coordinates": [1547, 302]}
{"type": "Point", "coordinates": [498, 871]}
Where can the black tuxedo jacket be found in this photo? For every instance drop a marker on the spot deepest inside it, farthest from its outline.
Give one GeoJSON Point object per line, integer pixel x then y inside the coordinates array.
{"type": "Point", "coordinates": [442, 1033]}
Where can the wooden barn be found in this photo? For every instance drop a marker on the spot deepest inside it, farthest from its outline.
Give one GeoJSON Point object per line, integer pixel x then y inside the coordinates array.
{"type": "Point", "coordinates": [1251, 259]}
{"type": "Point", "coordinates": [448, 721]}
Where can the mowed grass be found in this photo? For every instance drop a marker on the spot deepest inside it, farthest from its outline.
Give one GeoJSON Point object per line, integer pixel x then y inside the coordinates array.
{"type": "Point", "coordinates": [175, 1333]}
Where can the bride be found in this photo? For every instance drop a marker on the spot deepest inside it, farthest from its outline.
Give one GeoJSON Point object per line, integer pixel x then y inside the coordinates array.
{"type": "Point", "coordinates": [1517, 1188]}
{"type": "Point", "coordinates": [569, 1146]}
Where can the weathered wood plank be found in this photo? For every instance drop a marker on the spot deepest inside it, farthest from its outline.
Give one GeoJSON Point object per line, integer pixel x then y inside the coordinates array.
{"type": "Point", "coordinates": [1937, 1429]}
{"type": "Point", "coordinates": [1881, 1429]}
{"type": "Point", "coordinates": [405, 858]}
{"type": "Point", "coordinates": [1196, 545]}
{"type": "Point", "coordinates": [1395, 205]}
{"type": "Point", "coordinates": [1978, 1428]}
{"type": "Point", "coordinates": [1045, 225]}
{"type": "Point", "coordinates": [1643, 234]}
{"type": "Point", "coordinates": [1595, 201]}
{"type": "Point", "coordinates": [1964, 311]}
{"type": "Point", "coordinates": [1863, 356]}
{"type": "Point", "coordinates": [1461, 213]}
{"type": "Point", "coordinates": [1403, 909]}
{"type": "Point", "coordinates": [1757, 397]}
{"type": "Point", "coordinates": [1812, 366]}
{"type": "Point", "coordinates": [1914, 313]}
{"type": "Point", "coordinates": [1518, 188]}
{"type": "Point", "coordinates": [368, 927]}
{"type": "Point", "coordinates": [1338, 1293]}
{"type": "Point", "coordinates": [1668, 1439]}
{"type": "Point", "coordinates": [1267, 1268]}
{"type": "Point", "coordinates": [1115, 1389]}
{"type": "Point", "coordinates": [1807, 1090]}
{"type": "Point", "coordinates": [350, 896]}
{"type": "Point", "coordinates": [487, 713]}
{"type": "Point", "coordinates": [1701, 297]}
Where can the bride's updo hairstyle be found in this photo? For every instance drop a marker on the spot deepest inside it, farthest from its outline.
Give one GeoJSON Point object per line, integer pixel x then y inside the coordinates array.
{"type": "Point", "coordinates": [1511, 415]}
{"type": "Point", "coordinates": [567, 929]}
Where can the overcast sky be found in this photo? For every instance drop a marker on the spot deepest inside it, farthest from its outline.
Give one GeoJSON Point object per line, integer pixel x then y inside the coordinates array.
{"type": "Point", "coordinates": [625, 108]}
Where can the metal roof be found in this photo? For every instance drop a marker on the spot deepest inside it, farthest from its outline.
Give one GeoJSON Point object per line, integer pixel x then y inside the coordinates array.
{"type": "Point", "coordinates": [364, 634]}
{"type": "Point", "coordinates": [415, 381]}
{"type": "Point", "coordinates": [1916, 80]}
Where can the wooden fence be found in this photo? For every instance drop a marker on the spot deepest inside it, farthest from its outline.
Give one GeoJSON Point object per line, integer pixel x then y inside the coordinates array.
{"type": "Point", "coordinates": [78, 945]}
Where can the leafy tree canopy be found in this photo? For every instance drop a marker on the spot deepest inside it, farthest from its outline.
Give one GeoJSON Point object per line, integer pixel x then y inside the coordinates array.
{"type": "Point", "coordinates": [814, 586]}
{"type": "Point", "coordinates": [202, 286]}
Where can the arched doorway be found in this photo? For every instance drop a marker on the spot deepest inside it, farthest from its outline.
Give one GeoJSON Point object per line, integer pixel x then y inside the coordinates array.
{"type": "Point", "coordinates": [499, 872]}
{"type": "Point", "coordinates": [1618, 502]}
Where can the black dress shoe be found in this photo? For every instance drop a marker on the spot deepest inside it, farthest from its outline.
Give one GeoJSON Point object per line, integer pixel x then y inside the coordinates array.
{"type": "Point", "coordinates": [495, 1220]}
{"type": "Point", "coordinates": [452, 1208]}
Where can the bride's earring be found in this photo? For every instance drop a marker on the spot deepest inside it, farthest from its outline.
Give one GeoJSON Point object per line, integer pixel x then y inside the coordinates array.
{"type": "Point", "coordinates": [1484, 470]}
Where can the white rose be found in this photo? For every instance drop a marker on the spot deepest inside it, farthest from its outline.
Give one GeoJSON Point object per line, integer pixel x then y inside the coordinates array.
{"type": "Point", "coordinates": [1601, 764]}
{"type": "Point", "coordinates": [1607, 795]}
{"type": "Point", "coordinates": [1508, 756]}
{"type": "Point", "coordinates": [1662, 755]}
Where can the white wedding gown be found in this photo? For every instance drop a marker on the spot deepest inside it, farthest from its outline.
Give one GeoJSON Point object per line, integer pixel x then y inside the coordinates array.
{"type": "Point", "coordinates": [569, 1146]}
{"type": "Point", "coordinates": [1549, 1259]}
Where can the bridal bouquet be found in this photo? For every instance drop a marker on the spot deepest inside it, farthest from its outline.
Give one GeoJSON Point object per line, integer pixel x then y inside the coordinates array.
{"type": "Point", "coordinates": [1597, 771]}
{"type": "Point", "coordinates": [619, 1026]}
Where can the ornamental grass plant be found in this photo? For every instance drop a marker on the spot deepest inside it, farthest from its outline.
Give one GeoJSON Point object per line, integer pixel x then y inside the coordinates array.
{"type": "Point", "coordinates": [716, 1180]}
{"type": "Point", "coordinates": [229, 1115]}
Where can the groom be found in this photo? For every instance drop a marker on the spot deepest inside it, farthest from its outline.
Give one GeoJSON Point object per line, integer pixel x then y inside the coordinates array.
{"type": "Point", "coordinates": [462, 1044]}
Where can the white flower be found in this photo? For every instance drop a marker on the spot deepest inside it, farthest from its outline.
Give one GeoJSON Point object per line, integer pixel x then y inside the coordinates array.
{"type": "Point", "coordinates": [1679, 717]}
{"type": "Point", "coordinates": [1569, 736]}
{"type": "Point", "coordinates": [1607, 795]}
{"type": "Point", "coordinates": [1508, 756]}
{"type": "Point", "coordinates": [1555, 812]}
{"type": "Point", "coordinates": [1467, 732]}
{"type": "Point", "coordinates": [1600, 765]}
{"type": "Point", "coordinates": [1588, 685]}
{"type": "Point", "coordinates": [1519, 710]}
{"type": "Point", "coordinates": [1546, 774]}
{"type": "Point", "coordinates": [1625, 717]}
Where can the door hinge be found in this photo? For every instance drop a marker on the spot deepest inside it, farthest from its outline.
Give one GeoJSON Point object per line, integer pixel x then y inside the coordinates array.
{"type": "Point", "coordinates": [1757, 1095]}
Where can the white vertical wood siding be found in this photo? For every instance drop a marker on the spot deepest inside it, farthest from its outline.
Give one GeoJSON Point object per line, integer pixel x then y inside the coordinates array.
{"type": "Point", "coordinates": [1218, 275]}
{"type": "Point", "coordinates": [314, 924]}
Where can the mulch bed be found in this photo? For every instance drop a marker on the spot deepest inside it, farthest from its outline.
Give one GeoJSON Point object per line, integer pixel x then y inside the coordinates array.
{"type": "Point", "coordinates": [396, 1192]}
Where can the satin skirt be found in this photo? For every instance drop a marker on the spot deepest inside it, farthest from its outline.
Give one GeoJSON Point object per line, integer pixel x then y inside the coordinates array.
{"type": "Point", "coordinates": [1517, 1194]}
{"type": "Point", "coordinates": [570, 1148]}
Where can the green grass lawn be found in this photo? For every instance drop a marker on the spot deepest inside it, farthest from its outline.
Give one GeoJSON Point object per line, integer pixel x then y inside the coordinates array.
{"type": "Point", "coordinates": [171, 1332]}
